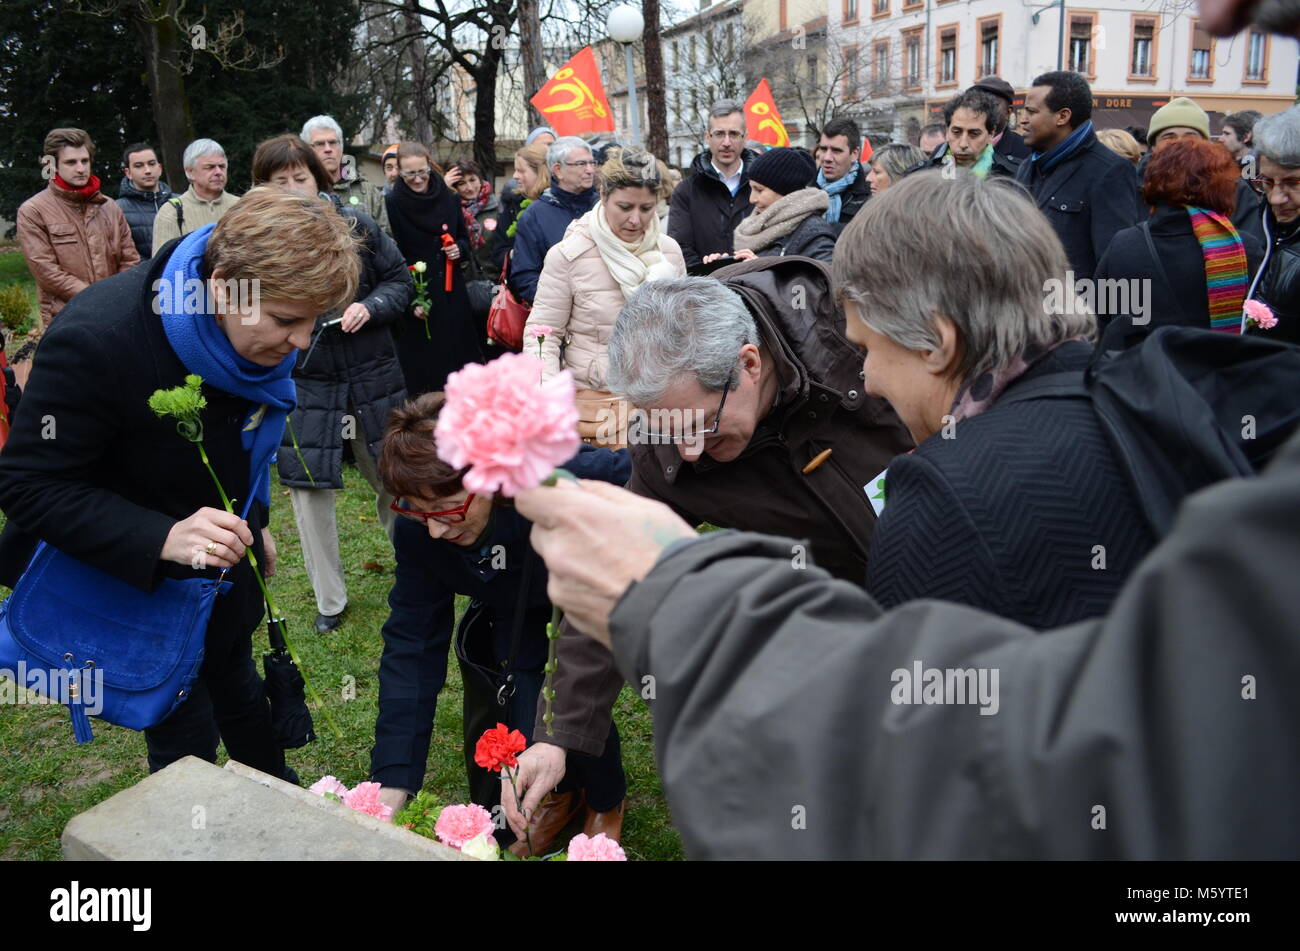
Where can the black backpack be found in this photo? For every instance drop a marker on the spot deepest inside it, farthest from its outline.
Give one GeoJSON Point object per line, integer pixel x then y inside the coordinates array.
{"type": "Point", "coordinates": [1185, 408]}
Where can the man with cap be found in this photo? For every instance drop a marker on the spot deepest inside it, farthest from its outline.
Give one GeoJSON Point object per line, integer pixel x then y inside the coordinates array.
{"type": "Point", "coordinates": [1005, 141]}
{"type": "Point", "coordinates": [1182, 118]}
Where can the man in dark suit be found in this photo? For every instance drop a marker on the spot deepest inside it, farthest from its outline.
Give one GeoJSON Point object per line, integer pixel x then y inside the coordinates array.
{"type": "Point", "coordinates": [1086, 191]}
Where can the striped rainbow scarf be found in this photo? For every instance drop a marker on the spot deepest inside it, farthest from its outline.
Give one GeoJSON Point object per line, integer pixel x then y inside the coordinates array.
{"type": "Point", "coordinates": [1225, 267]}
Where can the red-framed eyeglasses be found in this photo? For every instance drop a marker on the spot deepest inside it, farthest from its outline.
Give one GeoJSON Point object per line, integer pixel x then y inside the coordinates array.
{"type": "Point", "coordinates": [447, 517]}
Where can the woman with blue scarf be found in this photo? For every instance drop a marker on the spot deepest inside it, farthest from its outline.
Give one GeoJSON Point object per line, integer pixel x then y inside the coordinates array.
{"type": "Point", "coordinates": [92, 471]}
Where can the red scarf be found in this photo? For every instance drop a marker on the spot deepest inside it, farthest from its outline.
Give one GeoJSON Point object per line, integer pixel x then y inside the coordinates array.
{"type": "Point", "coordinates": [85, 192]}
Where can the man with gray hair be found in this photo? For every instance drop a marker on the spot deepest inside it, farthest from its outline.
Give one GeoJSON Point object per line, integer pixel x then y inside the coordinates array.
{"type": "Point", "coordinates": [1277, 283]}
{"type": "Point", "coordinates": [752, 415]}
{"type": "Point", "coordinates": [707, 205]}
{"type": "Point", "coordinates": [571, 195]}
{"type": "Point", "coordinates": [204, 202]}
{"type": "Point", "coordinates": [351, 189]}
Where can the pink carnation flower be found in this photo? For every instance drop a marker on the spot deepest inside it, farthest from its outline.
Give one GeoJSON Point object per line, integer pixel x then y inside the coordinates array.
{"type": "Point", "coordinates": [328, 784]}
{"type": "Point", "coordinates": [539, 331]}
{"type": "Point", "coordinates": [601, 848]}
{"type": "Point", "coordinates": [456, 825]}
{"type": "Point", "coordinates": [365, 798]}
{"type": "Point", "coordinates": [1259, 313]}
{"type": "Point", "coordinates": [511, 432]}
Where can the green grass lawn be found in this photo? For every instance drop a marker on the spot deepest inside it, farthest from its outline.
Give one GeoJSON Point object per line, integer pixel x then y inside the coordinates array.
{"type": "Point", "coordinates": [46, 779]}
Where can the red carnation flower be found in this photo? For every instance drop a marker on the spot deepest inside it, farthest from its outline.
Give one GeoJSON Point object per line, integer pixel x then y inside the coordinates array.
{"type": "Point", "coordinates": [497, 747]}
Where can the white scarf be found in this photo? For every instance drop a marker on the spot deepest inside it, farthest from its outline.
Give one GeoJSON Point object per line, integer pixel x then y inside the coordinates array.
{"type": "Point", "coordinates": [631, 265]}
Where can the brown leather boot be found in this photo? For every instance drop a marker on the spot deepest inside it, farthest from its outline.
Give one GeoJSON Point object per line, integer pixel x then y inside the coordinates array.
{"type": "Point", "coordinates": [610, 823]}
{"type": "Point", "coordinates": [553, 813]}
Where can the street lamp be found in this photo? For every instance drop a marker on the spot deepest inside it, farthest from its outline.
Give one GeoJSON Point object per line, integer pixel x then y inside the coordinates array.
{"type": "Point", "coordinates": [625, 25]}
{"type": "Point", "coordinates": [1060, 38]}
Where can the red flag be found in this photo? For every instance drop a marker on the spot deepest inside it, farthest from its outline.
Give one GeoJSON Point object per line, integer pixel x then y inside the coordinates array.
{"type": "Point", "coordinates": [573, 100]}
{"type": "Point", "coordinates": [762, 121]}
{"type": "Point", "coordinates": [867, 150]}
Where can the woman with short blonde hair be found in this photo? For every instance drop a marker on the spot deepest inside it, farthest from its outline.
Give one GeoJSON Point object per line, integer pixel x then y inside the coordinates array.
{"type": "Point", "coordinates": [126, 493]}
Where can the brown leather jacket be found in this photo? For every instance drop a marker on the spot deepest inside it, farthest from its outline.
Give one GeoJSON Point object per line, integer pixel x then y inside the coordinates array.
{"type": "Point", "coordinates": [822, 406]}
{"type": "Point", "coordinates": [71, 242]}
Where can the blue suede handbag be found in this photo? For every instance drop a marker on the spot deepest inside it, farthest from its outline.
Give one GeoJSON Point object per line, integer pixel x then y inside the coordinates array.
{"type": "Point", "coordinates": [81, 637]}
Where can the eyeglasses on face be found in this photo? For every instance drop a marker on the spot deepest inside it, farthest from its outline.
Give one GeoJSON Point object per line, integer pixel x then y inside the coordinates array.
{"type": "Point", "coordinates": [447, 516]}
{"type": "Point", "coordinates": [417, 173]}
{"type": "Point", "coordinates": [639, 428]}
{"type": "Point", "coordinates": [1265, 186]}
{"type": "Point", "coordinates": [590, 163]}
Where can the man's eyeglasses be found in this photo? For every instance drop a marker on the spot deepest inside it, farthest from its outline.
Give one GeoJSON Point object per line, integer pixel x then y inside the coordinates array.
{"type": "Point", "coordinates": [416, 173]}
{"type": "Point", "coordinates": [639, 429]}
{"type": "Point", "coordinates": [726, 134]}
{"type": "Point", "coordinates": [447, 516]}
{"type": "Point", "coordinates": [587, 164]}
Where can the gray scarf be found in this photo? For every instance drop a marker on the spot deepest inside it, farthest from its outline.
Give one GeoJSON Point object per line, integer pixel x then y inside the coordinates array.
{"type": "Point", "coordinates": [780, 219]}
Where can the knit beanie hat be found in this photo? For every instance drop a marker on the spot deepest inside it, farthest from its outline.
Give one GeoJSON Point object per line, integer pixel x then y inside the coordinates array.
{"type": "Point", "coordinates": [783, 170]}
{"type": "Point", "coordinates": [1178, 112]}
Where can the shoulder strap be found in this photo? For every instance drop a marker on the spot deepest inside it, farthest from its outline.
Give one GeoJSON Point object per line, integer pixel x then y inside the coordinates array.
{"type": "Point", "coordinates": [1068, 384]}
{"type": "Point", "coordinates": [180, 213]}
{"type": "Point", "coordinates": [1151, 249]}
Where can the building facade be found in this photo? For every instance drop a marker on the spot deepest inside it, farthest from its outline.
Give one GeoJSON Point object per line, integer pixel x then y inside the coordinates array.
{"type": "Point", "coordinates": [915, 54]}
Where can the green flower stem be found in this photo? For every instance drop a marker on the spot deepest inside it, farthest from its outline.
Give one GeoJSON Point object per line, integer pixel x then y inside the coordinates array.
{"type": "Point", "coordinates": [528, 835]}
{"type": "Point", "coordinates": [270, 605]}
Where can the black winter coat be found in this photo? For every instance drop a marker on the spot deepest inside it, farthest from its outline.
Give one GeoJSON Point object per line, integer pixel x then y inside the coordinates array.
{"type": "Point", "coordinates": [1280, 285]}
{"type": "Point", "coordinates": [1089, 196]}
{"type": "Point", "coordinates": [429, 354]}
{"type": "Point", "coordinates": [1182, 298]}
{"type": "Point", "coordinates": [114, 478]}
{"type": "Point", "coordinates": [1012, 146]}
{"type": "Point", "coordinates": [704, 213]}
{"type": "Point", "coordinates": [814, 237]}
{"type": "Point", "coordinates": [140, 209]}
{"type": "Point", "coordinates": [1005, 515]}
{"type": "Point", "coordinates": [350, 372]}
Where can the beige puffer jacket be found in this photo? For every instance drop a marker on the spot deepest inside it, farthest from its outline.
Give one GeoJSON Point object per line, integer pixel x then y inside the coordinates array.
{"type": "Point", "coordinates": [71, 242]}
{"type": "Point", "coordinates": [579, 300]}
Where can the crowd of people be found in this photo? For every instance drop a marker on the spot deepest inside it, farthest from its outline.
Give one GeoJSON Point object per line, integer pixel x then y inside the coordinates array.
{"type": "Point", "coordinates": [916, 452]}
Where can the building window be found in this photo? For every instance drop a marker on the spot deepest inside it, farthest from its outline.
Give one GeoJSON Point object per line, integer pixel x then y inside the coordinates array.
{"type": "Point", "coordinates": [850, 71]}
{"type": "Point", "coordinates": [912, 58]}
{"type": "Point", "coordinates": [1200, 65]}
{"type": "Point", "coordinates": [1257, 57]}
{"type": "Point", "coordinates": [1081, 49]}
{"type": "Point", "coordinates": [850, 10]}
{"type": "Point", "coordinates": [677, 57]}
{"type": "Point", "coordinates": [731, 41]}
{"type": "Point", "coordinates": [990, 46]}
{"type": "Point", "coordinates": [947, 56]}
{"type": "Point", "coordinates": [677, 103]}
{"type": "Point", "coordinates": [690, 54]}
{"type": "Point", "coordinates": [695, 104]}
{"type": "Point", "coordinates": [880, 9]}
{"type": "Point", "coordinates": [1143, 61]}
{"type": "Point", "coordinates": [912, 4]}
{"type": "Point", "coordinates": [812, 69]}
{"type": "Point", "coordinates": [880, 53]}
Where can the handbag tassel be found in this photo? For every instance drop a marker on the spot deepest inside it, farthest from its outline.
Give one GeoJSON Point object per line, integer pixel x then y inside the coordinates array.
{"type": "Point", "coordinates": [80, 722]}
